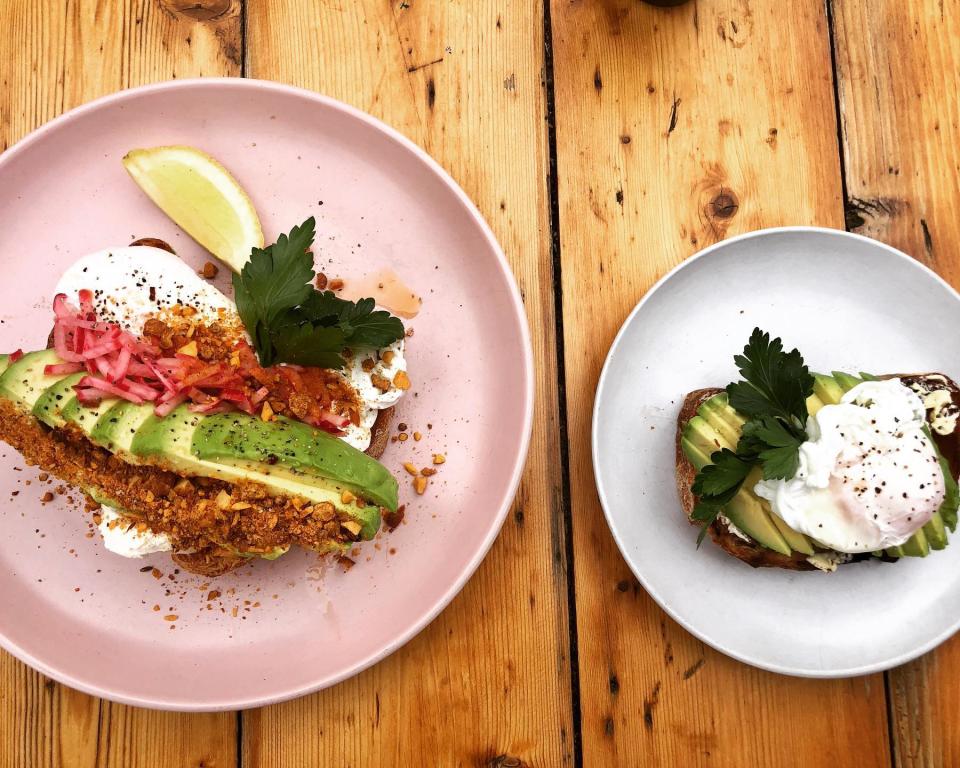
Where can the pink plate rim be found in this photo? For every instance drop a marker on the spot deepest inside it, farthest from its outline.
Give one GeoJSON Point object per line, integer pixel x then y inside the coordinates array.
{"type": "Point", "coordinates": [421, 621]}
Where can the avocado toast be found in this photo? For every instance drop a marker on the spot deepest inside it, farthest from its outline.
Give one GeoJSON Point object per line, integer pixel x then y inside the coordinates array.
{"type": "Point", "coordinates": [803, 474]}
{"type": "Point", "coordinates": [221, 433]}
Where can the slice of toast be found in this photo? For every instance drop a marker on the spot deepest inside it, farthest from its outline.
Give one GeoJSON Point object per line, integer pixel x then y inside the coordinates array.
{"type": "Point", "coordinates": [753, 553]}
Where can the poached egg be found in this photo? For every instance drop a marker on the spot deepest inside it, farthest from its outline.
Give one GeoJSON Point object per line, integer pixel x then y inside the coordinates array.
{"type": "Point", "coordinates": [869, 476]}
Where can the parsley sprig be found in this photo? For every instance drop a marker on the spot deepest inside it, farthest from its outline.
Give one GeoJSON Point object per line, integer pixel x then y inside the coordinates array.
{"type": "Point", "coordinates": [292, 322]}
{"type": "Point", "coordinates": [773, 394]}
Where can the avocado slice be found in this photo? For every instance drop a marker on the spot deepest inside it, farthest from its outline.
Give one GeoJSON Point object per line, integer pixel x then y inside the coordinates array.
{"type": "Point", "coordinates": [795, 540]}
{"type": "Point", "coordinates": [694, 453]}
{"type": "Point", "coordinates": [24, 381]}
{"type": "Point", "coordinates": [4, 362]}
{"type": "Point", "coordinates": [115, 428]}
{"type": "Point", "coordinates": [721, 404]}
{"type": "Point", "coordinates": [699, 432]}
{"type": "Point", "coordinates": [917, 545]}
{"type": "Point", "coordinates": [936, 532]}
{"type": "Point", "coordinates": [827, 389]}
{"type": "Point", "coordinates": [313, 452]}
{"type": "Point", "coordinates": [86, 416]}
{"type": "Point", "coordinates": [50, 404]}
{"type": "Point", "coordinates": [719, 415]}
{"type": "Point", "coordinates": [169, 441]}
{"type": "Point", "coordinates": [746, 512]}
{"type": "Point", "coordinates": [951, 501]}
{"type": "Point", "coordinates": [895, 552]}
{"type": "Point", "coordinates": [845, 380]}
{"type": "Point", "coordinates": [814, 404]}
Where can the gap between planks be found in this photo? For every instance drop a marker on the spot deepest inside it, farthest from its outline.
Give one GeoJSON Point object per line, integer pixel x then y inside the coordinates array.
{"type": "Point", "coordinates": [835, 82]}
{"type": "Point", "coordinates": [554, 195]}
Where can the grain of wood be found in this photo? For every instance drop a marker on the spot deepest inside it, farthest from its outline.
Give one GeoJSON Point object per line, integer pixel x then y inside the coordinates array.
{"type": "Point", "coordinates": [490, 677]}
{"type": "Point", "coordinates": [55, 55]}
{"type": "Point", "coordinates": [896, 70]}
{"type": "Point", "coordinates": [43, 723]}
{"type": "Point", "coordinates": [676, 128]}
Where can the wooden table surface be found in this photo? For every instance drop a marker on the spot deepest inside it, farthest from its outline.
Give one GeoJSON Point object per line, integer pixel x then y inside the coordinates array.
{"type": "Point", "coordinates": [605, 141]}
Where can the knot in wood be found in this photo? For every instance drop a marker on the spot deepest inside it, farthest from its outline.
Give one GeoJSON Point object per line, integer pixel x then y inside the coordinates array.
{"type": "Point", "coordinates": [200, 10]}
{"type": "Point", "coordinates": [724, 205]}
{"type": "Point", "coordinates": [506, 761]}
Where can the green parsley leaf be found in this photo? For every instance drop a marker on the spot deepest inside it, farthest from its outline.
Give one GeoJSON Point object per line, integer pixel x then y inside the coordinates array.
{"type": "Point", "coordinates": [277, 277]}
{"type": "Point", "coordinates": [773, 444]}
{"type": "Point", "coordinates": [705, 513]}
{"type": "Point", "coordinates": [291, 322]}
{"type": "Point", "coordinates": [727, 471]}
{"type": "Point", "coordinates": [375, 329]}
{"type": "Point", "coordinates": [715, 486]}
{"type": "Point", "coordinates": [365, 326]}
{"type": "Point", "coordinates": [309, 344]}
{"type": "Point", "coordinates": [776, 383]}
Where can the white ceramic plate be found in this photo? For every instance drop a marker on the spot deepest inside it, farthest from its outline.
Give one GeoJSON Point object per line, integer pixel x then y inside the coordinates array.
{"type": "Point", "coordinates": [847, 303]}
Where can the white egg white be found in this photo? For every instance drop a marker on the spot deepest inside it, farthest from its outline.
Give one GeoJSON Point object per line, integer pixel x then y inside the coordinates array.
{"type": "Point", "coordinates": [869, 476]}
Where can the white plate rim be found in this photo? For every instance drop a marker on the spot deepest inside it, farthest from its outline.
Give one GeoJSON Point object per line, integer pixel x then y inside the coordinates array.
{"type": "Point", "coordinates": [671, 611]}
{"type": "Point", "coordinates": [527, 392]}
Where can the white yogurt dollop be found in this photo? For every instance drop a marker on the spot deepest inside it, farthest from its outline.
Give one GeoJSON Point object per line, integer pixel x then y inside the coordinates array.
{"type": "Point", "coordinates": [372, 399]}
{"type": "Point", "coordinates": [134, 283]}
{"type": "Point", "coordinates": [122, 538]}
{"type": "Point", "coordinates": [869, 476]}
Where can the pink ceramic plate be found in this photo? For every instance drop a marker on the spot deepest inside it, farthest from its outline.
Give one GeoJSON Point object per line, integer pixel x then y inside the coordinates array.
{"type": "Point", "coordinates": [86, 617]}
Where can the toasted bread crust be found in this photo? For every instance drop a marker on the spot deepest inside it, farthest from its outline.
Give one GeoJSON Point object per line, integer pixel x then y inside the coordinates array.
{"type": "Point", "coordinates": [207, 563]}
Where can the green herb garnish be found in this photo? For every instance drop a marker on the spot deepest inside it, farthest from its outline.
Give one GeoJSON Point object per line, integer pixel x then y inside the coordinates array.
{"type": "Point", "coordinates": [292, 322]}
{"type": "Point", "coordinates": [773, 394]}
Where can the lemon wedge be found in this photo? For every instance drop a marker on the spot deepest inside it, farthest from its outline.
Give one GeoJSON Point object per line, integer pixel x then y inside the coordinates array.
{"type": "Point", "coordinates": [202, 197]}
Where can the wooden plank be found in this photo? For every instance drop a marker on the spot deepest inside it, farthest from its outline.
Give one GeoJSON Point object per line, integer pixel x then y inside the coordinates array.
{"type": "Point", "coordinates": [676, 128]}
{"type": "Point", "coordinates": [141, 738]}
{"type": "Point", "coordinates": [463, 79]}
{"type": "Point", "coordinates": [897, 67]}
{"type": "Point", "coordinates": [43, 723]}
{"type": "Point", "coordinates": [55, 55]}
